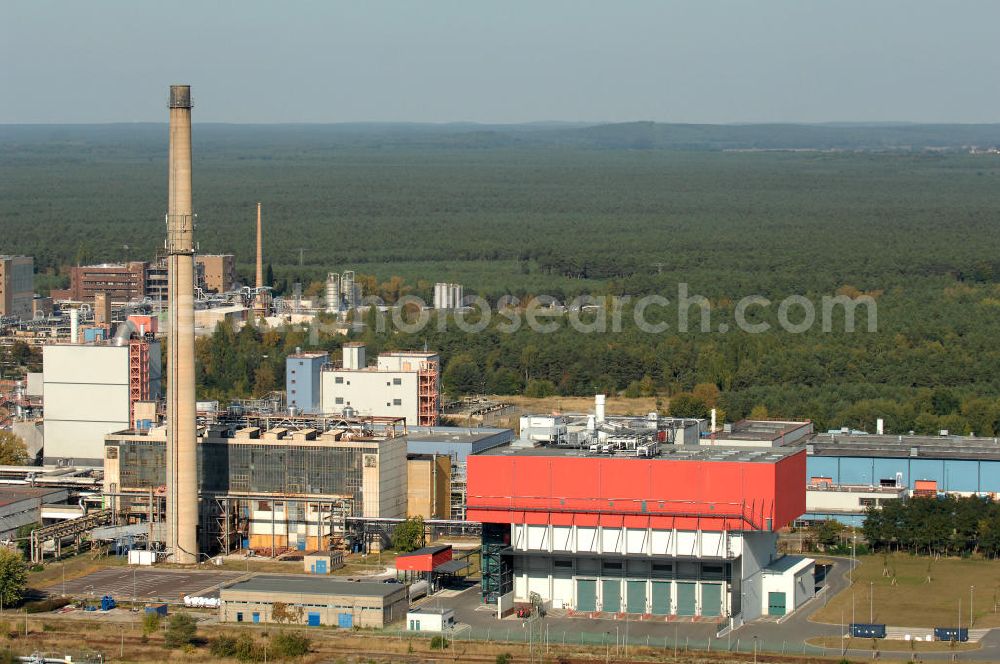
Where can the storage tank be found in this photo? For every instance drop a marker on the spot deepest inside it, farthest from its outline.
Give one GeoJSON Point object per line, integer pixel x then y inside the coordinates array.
{"type": "Point", "coordinates": [333, 293]}
{"type": "Point", "coordinates": [347, 288]}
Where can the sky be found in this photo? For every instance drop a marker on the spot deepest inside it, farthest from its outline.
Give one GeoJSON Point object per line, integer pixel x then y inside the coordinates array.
{"type": "Point", "coordinates": [501, 61]}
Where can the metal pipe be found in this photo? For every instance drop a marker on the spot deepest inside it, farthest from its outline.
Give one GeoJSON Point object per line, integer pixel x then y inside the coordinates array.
{"type": "Point", "coordinates": [182, 489]}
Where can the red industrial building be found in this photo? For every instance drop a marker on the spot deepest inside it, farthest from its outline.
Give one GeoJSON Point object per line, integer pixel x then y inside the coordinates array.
{"type": "Point", "coordinates": [680, 530]}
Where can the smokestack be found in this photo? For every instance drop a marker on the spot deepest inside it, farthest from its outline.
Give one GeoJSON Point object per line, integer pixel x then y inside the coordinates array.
{"type": "Point", "coordinates": [599, 408]}
{"type": "Point", "coordinates": [74, 326]}
{"type": "Point", "coordinates": [260, 253]}
{"type": "Point", "coordinates": [182, 484]}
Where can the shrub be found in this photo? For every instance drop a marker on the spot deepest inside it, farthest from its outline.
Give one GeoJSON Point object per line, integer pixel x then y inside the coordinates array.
{"type": "Point", "coordinates": [247, 649]}
{"type": "Point", "coordinates": [287, 644]}
{"type": "Point", "coordinates": [224, 646]}
{"type": "Point", "coordinates": [439, 643]}
{"type": "Point", "coordinates": [180, 631]}
{"type": "Point", "coordinates": [150, 623]}
{"type": "Point", "coordinates": [504, 658]}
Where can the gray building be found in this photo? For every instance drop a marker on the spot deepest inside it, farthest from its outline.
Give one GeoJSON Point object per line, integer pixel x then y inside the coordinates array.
{"type": "Point", "coordinates": [313, 601]}
{"type": "Point", "coordinates": [457, 443]}
{"type": "Point", "coordinates": [302, 380]}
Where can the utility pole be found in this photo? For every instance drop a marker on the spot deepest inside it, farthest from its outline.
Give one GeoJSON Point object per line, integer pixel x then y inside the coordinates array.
{"type": "Point", "coordinates": [871, 602]}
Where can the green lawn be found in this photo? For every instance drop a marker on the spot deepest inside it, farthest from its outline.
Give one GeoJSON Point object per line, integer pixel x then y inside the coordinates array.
{"type": "Point", "coordinates": [904, 596]}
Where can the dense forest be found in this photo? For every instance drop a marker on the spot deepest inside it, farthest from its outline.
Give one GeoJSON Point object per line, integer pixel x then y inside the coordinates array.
{"type": "Point", "coordinates": [945, 525]}
{"type": "Point", "coordinates": [902, 213]}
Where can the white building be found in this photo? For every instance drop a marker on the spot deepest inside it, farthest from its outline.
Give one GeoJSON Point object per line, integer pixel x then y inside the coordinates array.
{"type": "Point", "coordinates": [399, 384]}
{"type": "Point", "coordinates": [430, 619]}
{"type": "Point", "coordinates": [88, 391]}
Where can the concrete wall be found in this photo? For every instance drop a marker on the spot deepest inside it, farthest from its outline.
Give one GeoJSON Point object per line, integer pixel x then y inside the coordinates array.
{"type": "Point", "coordinates": [428, 487]}
{"type": "Point", "coordinates": [86, 393]}
{"type": "Point", "coordinates": [367, 612]}
{"type": "Point", "coordinates": [302, 381]}
{"type": "Point", "coordinates": [371, 393]}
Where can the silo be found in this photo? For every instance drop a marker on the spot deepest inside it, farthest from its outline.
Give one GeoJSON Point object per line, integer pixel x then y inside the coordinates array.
{"type": "Point", "coordinates": [333, 293]}
{"type": "Point", "coordinates": [347, 288]}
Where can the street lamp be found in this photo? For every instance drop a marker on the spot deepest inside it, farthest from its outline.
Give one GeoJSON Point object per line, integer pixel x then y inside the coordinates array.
{"type": "Point", "coordinates": [972, 614]}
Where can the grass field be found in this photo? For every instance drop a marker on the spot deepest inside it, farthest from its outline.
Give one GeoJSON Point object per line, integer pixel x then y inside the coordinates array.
{"type": "Point", "coordinates": [903, 595]}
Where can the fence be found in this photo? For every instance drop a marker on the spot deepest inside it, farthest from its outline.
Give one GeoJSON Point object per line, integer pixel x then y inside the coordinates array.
{"type": "Point", "coordinates": [618, 643]}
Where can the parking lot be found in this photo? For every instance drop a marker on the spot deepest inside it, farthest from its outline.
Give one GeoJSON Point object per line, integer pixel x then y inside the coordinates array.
{"type": "Point", "coordinates": [146, 584]}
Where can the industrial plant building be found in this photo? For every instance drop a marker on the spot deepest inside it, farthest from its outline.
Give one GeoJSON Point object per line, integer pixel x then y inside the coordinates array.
{"type": "Point", "coordinates": [847, 473]}
{"type": "Point", "coordinates": [17, 286]}
{"type": "Point", "coordinates": [90, 390]}
{"type": "Point", "coordinates": [677, 530]}
{"type": "Point", "coordinates": [123, 282]}
{"type": "Point", "coordinates": [268, 488]}
{"type": "Point", "coordinates": [216, 272]}
{"type": "Point", "coordinates": [312, 601]}
{"type": "Point", "coordinates": [303, 387]}
{"type": "Point", "coordinates": [402, 384]}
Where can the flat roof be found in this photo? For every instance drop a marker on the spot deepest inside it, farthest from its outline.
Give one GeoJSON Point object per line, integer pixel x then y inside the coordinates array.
{"type": "Point", "coordinates": [426, 551]}
{"type": "Point", "coordinates": [667, 453]}
{"type": "Point", "coordinates": [313, 585]}
{"type": "Point", "coordinates": [788, 564]}
{"type": "Point", "coordinates": [430, 610]}
{"type": "Point", "coordinates": [927, 447]}
{"type": "Point", "coordinates": [759, 430]}
{"type": "Point", "coordinates": [460, 437]}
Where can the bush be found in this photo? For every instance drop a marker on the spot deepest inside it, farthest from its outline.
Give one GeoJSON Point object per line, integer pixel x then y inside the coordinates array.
{"type": "Point", "coordinates": [287, 644]}
{"type": "Point", "coordinates": [150, 623]}
{"type": "Point", "coordinates": [439, 643]}
{"type": "Point", "coordinates": [247, 649]}
{"type": "Point", "coordinates": [46, 605]}
{"type": "Point", "coordinates": [180, 631]}
{"type": "Point", "coordinates": [13, 577]}
{"type": "Point", "coordinates": [224, 646]}
{"type": "Point", "coordinates": [504, 658]}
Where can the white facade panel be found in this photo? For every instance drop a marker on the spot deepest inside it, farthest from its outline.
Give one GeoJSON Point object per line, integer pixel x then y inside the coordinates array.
{"type": "Point", "coordinates": [538, 538]}
{"type": "Point", "coordinates": [81, 442]}
{"type": "Point", "coordinates": [612, 540]}
{"type": "Point", "coordinates": [562, 538]}
{"type": "Point", "coordinates": [586, 539]}
{"type": "Point", "coordinates": [662, 542]}
{"type": "Point", "coordinates": [636, 540]}
{"type": "Point", "coordinates": [539, 583]}
{"type": "Point", "coordinates": [687, 543]}
{"type": "Point", "coordinates": [74, 363]}
{"type": "Point", "coordinates": [90, 403]}
{"type": "Point", "coordinates": [713, 544]}
{"type": "Point", "coordinates": [562, 592]}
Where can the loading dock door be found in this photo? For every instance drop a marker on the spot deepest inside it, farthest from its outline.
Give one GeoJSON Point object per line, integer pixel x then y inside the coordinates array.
{"type": "Point", "coordinates": [313, 619]}
{"type": "Point", "coordinates": [776, 604]}
{"type": "Point", "coordinates": [711, 599]}
{"type": "Point", "coordinates": [345, 620]}
{"type": "Point", "coordinates": [635, 596]}
{"type": "Point", "coordinates": [686, 598]}
{"type": "Point", "coordinates": [611, 591]}
{"type": "Point", "coordinates": [586, 595]}
{"type": "Point", "coordinates": [661, 598]}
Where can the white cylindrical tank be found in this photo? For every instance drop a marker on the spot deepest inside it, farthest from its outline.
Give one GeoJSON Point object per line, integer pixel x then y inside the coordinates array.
{"type": "Point", "coordinates": [458, 295]}
{"type": "Point", "coordinates": [333, 293]}
{"type": "Point", "coordinates": [880, 426]}
{"type": "Point", "coordinates": [74, 326]}
{"type": "Point", "coordinates": [713, 420]}
{"type": "Point", "coordinates": [599, 408]}
{"type": "Point", "coordinates": [591, 423]}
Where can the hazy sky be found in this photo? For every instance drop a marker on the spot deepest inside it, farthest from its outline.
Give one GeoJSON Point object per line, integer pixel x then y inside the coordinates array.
{"type": "Point", "coordinates": [502, 60]}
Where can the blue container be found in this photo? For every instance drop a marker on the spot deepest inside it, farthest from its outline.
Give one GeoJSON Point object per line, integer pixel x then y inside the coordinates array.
{"type": "Point", "coordinates": [157, 608]}
{"type": "Point", "coordinates": [107, 603]}
{"type": "Point", "coordinates": [867, 631]}
{"type": "Point", "coordinates": [951, 633]}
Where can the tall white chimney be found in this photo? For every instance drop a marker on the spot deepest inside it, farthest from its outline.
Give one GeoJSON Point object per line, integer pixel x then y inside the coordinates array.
{"type": "Point", "coordinates": [74, 326]}
{"type": "Point", "coordinates": [599, 408]}
{"type": "Point", "coordinates": [880, 426]}
{"type": "Point", "coordinates": [713, 420]}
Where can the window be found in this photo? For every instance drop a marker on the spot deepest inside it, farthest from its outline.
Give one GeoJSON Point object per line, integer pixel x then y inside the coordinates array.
{"type": "Point", "coordinates": [339, 380]}
{"type": "Point", "coordinates": [562, 563]}
{"type": "Point", "coordinates": [339, 400]}
{"type": "Point", "coordinates": [397, 381]}
{"type": "Point", "coordinates": [866, 502]}
{"type": "Point", "coordinates": [612, 566]}
{"type": "Point", "coordinates": [388, 404]}
{"type": "Point", "coordinates": [397, 402]}
{"type": "Point", "coordinates": [293, 381]}
{"type": "Point", "coordinates": [889, 482]}
{"type": "Point", "coordinates": [662, 568]}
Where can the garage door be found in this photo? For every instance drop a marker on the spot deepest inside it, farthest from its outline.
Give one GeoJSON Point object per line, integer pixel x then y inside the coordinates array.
{"type": "Point", "coordinates": [611, 591]}
{"type": "Point", "coordinates": [685, 599]}
{"type": "Point", "coordinates": [345, 620]}
{"type": "Point", "coordinates": [635, 596]}
{"type": "Point", "coordinates": [776, 604]}
{"type": "Point", "coordinates": [661, 598]}
{"type": "Point", "coordinates": [313, 619]}
{"type": "Point", "coordinates": [711, 599]}
{"type": "Point", "coordinates": [586, 595]}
